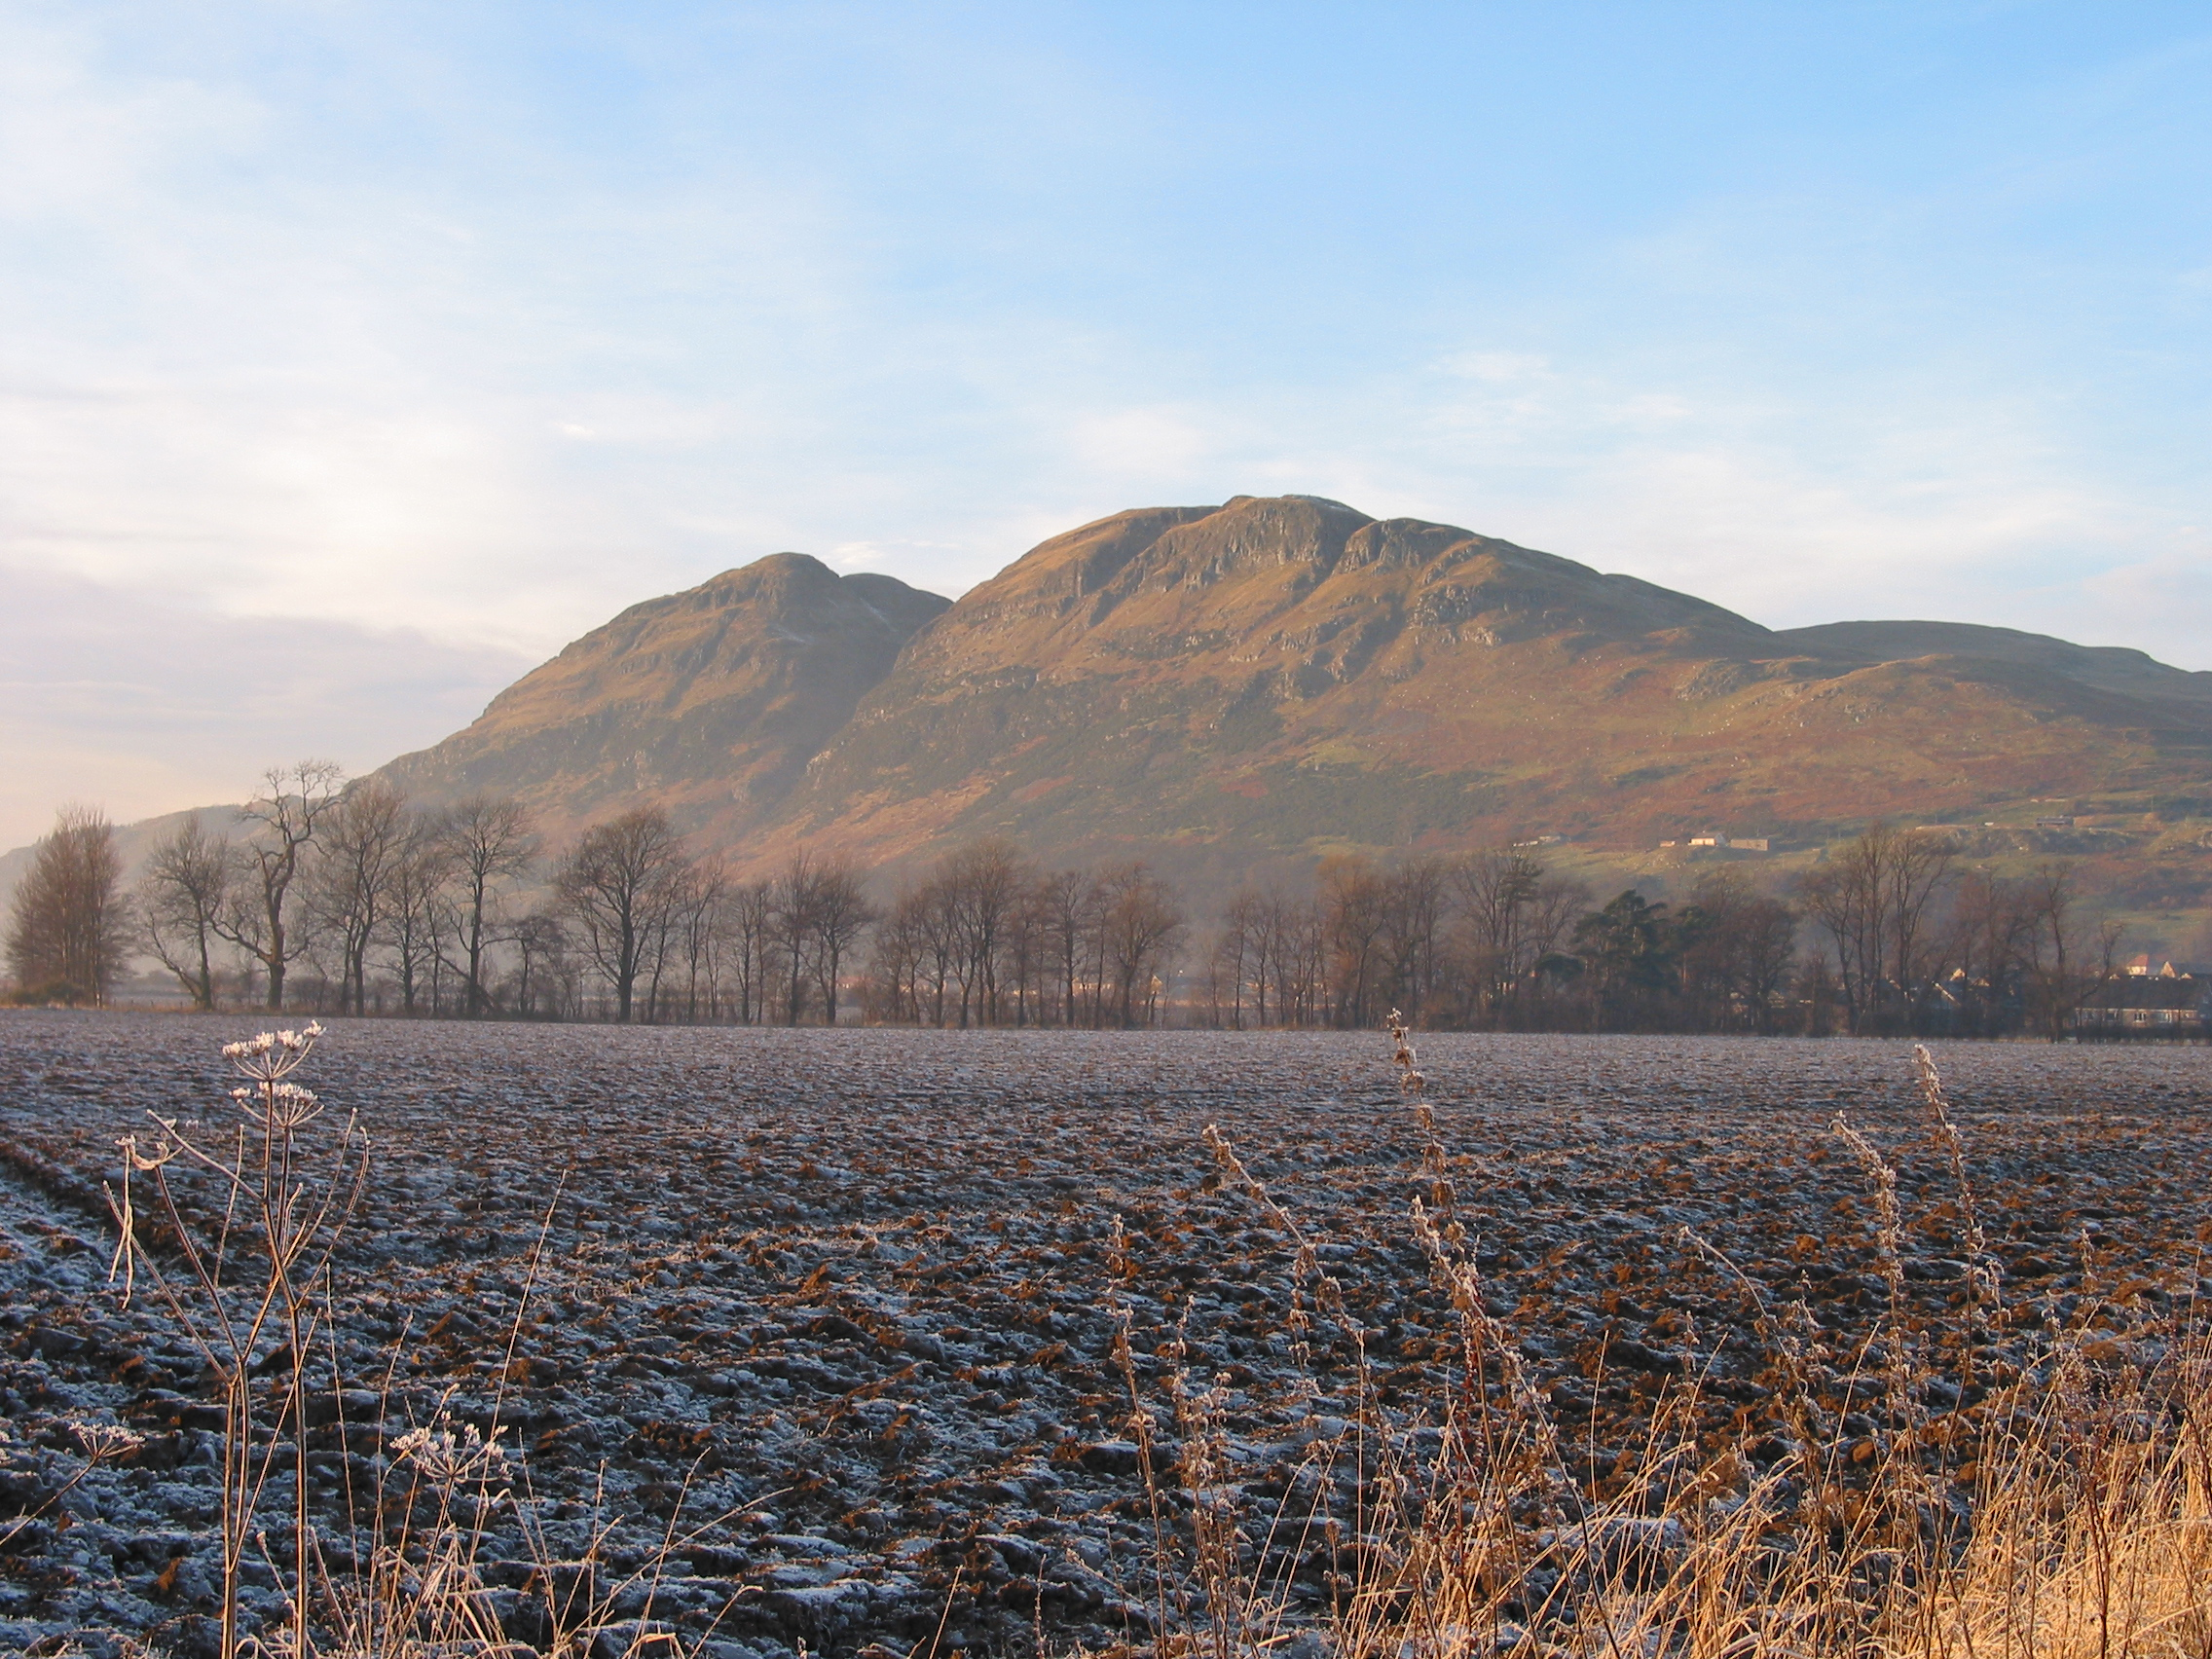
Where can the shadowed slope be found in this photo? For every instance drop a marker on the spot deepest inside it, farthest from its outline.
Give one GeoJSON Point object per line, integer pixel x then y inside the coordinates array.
{"type": "Point", "coordinates": [710, 702]}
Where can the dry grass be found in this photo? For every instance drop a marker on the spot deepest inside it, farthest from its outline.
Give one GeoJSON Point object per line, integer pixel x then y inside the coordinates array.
{"type": "Point", "coordinates": [2063, 1516]}
{"type": "Point", "coordinates": [2057, 1509]}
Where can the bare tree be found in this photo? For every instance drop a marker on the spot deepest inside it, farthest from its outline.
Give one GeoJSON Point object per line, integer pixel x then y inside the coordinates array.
{"type": "Point", "coordinates": [1027, 955]}
{"type": "Point", "coordinates": [1988, 946]}
{"type": "Point", "coordinates": [1509, 916]}
{"type": "Point", "coordinates": [1141, 926]}
{"type": "Point", "coordinates": [412, 913]}
{"type": "Point", "coordinates": [541, 945]}
{"type": "Point", "coordinates": [983, 885]}
{"type": "Point", "coordinates": [1238, 962]}
{"type": "Point", "coordinates": [1734, 951]}
{"type": "Point", "coordinates": [182, 894]}
{"type": "Point", "coordinates": [841, 915]}
{"type": "Point", "coordinates": [1069, 903]}
{"type": "Point", "coordinates": [1495, 892]}
{"type": "Point", "coordinates": [1413, 900]}
{"type": "Point", "coordinates": [1356, 897]}
{"type": "Point", "coordinates": [618, 883]}
{"type": "Point", "coordinates": [364, 840]}
{"type": "Point", "coordinates": [488, 842]}
{"type": "Point", "coordinates": [290, 809]}
{"type": "Point", "coordinates": [697, 924]}
{"type": "Point", "coordinates": [65, 936]}
{"type": "Point", "coordinates": [1873, 897]}
{"type": "Point", "coordinates": [1298, 945]}
{"type": "Point", "coordinates": [2068, 956]}
{"type": "Point", "coordinates": [792, 921]}
{"type": "Point", "coordinates": [895, 960]}
{"type": "Point", "coordinates": [744, 922]}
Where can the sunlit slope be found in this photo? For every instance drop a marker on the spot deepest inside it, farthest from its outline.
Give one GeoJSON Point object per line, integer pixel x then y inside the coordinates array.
{"type": "Point", "coordinates": [1287, 676]}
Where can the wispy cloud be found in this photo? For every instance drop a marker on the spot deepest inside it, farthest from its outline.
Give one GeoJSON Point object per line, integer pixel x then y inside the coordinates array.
{"type": "Point", "coordinates": [453, 333]}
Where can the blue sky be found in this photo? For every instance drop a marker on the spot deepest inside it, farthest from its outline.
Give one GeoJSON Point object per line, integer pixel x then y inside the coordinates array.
{"type": "Point", "coordinates": [353, 357]}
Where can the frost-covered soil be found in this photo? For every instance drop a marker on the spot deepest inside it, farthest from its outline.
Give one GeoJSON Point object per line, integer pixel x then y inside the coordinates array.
{"type": "Point", "coordinates": [837, 1307]}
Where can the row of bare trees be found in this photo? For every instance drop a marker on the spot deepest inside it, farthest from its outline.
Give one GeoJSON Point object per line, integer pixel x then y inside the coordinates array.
{"type": "Point", "coordinates": [1450, 942]}
{"type": "Point", "coordinates": [1903, 939]}
{"type": "Point", "coordinates": [989, 938]}
{"type": "Point", "coordinates": [343, 897]}
{"type": "Point", "coordinates": [459, 912]}
{"type": "Point", "coordinates": [348, 883]}
{"type": "Point", "coordinates": [673, 938]}
{"type": "Point", "coordinates": [1920, 944]}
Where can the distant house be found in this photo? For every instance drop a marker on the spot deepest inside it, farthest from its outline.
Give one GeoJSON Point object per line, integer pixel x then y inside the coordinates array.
{"type": "Point", "coordinates": [2054, 823]}
{"type": "Point", "coordinates": [1709, 840]}
{"type": "Point", "coordinates": [2168, 1003]}
{"type": "Point", "coordinates": [2156, 967]}
{"type": "Point", "coordinates": [1749, 843]}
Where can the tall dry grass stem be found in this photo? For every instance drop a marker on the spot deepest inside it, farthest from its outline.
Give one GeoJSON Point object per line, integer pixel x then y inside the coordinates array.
{"type": "Point", "coordinates": [2051, 1507]}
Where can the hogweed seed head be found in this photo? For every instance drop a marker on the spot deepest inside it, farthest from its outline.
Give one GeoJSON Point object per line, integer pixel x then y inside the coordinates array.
{"type": "Point", "coordinates": [278, 1105]}
{"type": "Point", "coordinates": [267, 1055]}
{"type": "Point", "coordinates": [452, 1459]}
{"type": "Point", "coordinates": [104, 1440]}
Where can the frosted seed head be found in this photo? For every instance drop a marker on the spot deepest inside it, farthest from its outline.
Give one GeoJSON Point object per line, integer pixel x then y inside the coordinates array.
{"type": "Point", "coordinates": [104, 1440]}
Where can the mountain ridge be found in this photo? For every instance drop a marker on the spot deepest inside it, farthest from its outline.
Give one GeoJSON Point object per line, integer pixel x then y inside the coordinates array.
{"type": "Point", "coordinates": [1286, 677]}
{"type": "Point", "coordinates": [1245, 689]}
{"type": "Point", "coordinates": [726, 688]}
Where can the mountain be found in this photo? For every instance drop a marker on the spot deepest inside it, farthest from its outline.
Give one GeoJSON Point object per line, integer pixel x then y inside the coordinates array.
{"type": "Point", "coordinates": [1274, 679]}
{"type": "Point", "coordinates": [1238, 689]}
{"type": "Point", "coordinates": [710, 701]}
{"type": "Point", "coordinates": [1257, 684]}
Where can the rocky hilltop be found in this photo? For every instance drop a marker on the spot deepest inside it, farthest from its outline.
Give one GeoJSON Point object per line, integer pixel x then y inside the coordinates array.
{"type": "Point", "coordinates": [710, 701]}
{"type": "Point", "coordinates": [1274, 679]}
{"type": "Point", "coordinates": [1280, 678]}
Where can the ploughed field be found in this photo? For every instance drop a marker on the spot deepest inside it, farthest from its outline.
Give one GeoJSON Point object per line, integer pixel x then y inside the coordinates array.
{"type": "Point", "coordinates": [827, 1316]}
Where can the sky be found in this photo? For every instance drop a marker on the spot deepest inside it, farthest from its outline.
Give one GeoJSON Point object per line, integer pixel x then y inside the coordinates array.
{"type": "Point", "coordinates": [354, 357]}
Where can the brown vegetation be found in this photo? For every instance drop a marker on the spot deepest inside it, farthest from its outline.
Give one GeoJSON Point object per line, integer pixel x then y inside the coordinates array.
{"type": "Point", "coordinates": [66, 931]}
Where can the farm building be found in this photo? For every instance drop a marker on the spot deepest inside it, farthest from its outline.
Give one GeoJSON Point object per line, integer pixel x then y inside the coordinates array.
{"type": "Point", "coordinates": [2168, 1003]}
